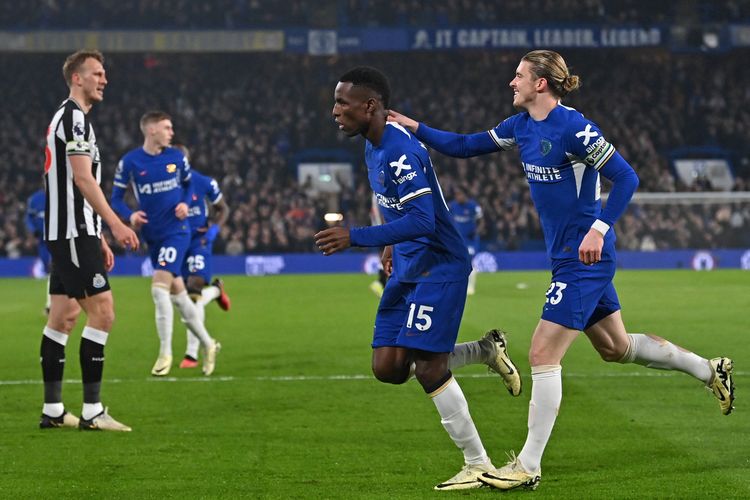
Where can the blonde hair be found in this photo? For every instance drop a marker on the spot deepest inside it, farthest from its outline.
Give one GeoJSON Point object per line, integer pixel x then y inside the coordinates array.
{"type": "Point", "coordinates": [153, 117]}
{"type": "Point", "coordinates": [74, 62]}
{"type": "Point", "coordinates": [551, 66]}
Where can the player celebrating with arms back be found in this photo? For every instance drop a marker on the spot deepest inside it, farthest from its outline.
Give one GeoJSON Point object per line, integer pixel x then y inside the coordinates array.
{"type": "Point", "coordinates": [563, 153]}
{"type": "Point", "coordinates": [420, 311]}
{"type": "Point", "coordinates": [161, 178]}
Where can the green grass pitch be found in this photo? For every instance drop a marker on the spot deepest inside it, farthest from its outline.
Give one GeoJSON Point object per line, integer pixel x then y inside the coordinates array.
{"type": "Point", "coordinates": [293, 411]}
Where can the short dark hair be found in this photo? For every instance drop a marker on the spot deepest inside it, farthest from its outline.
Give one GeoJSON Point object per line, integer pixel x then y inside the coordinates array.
{"type": "Point", "coordinates": [373, 79]}
{"type": "Point", "coordinates": [74, 62]}
{"type": "Point", "coordinates": [153, 117]}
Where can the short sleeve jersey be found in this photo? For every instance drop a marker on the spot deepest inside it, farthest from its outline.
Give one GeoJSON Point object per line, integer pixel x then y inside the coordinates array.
{"type": "Point", "coordinates": [561, 157]}
{"type": "Point", "coordinates": [400, 171]}
{"type": "Point", "coordinates": [68, 214]}
{"type": "Point", "coordinates": [158, 187]}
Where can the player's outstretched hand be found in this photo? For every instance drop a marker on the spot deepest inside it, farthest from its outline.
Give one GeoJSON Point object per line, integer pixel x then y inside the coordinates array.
{"type": "Point", "coordinates": [333, 240]}
{"type": "Point", "coordinates": [590, 251]}
{"type": "Point", "coordinates": [125, 236]}
{"type": "Point", "coordinates": [404, 121]}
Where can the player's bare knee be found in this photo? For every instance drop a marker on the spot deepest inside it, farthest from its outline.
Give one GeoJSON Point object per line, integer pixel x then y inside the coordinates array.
{"type": "Point", "coordinates": [539, 356]}
{"type": "Point", "coordinates": [389, 374]}
{"type": "Point", "coordinates": [430, 375]}
{"type": "Point", "coordinates": [611, 353]}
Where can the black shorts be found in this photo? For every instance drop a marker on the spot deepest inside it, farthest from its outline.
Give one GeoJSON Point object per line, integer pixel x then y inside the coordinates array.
{"type": "Point", "coordinates": [77, 267]}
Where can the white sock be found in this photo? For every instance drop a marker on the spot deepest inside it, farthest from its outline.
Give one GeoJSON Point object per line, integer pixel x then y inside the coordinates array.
{"type": "Point", "coordinates": [472, 280]}
{"type": "Point", "coordinates": [467, 353]}
{"type": "Point", "coordinates": [546, 394]}
{"type": "Point", "coordinates": [454, 415]}
{"type": "Point", "coordinates": [94, 335]}
{"type": "Point", "coordinates": [189, 314]}
{"type": "Point", "coordinates": [164, 319]}
{"type": "Point", "coordinates": [53, 409]}
{"type": "Point", "coordinates": [209, 293]}
{"type": "Point", "coordinates": [661, 354]}
{"type": "Point", "coordinates": [193, 342]}
{"type": "Point", "coordinates": [59, 337]}
{"type": "Point", "coordinates": [90, 410]}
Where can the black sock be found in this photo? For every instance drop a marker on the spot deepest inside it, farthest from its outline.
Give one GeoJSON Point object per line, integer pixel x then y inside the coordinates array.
{"type": "Point", "coordinates": [92, 365]}
{"type": "Point", "coordinates": [53, 364]}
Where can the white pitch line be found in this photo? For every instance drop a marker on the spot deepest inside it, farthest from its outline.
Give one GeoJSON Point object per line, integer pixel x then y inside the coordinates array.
{"type": "Point", "coordinates": [305, 378]}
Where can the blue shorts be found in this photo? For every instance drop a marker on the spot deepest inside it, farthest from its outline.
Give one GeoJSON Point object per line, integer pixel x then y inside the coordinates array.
{"type": "Point", "coordinates": [169, 254]}
{"type": "Point", "coordinates": [424, 316]}
{"type": "Point", "coordinates": [198, 259]}
{"type": "Point", "coordinates": [580, 295]}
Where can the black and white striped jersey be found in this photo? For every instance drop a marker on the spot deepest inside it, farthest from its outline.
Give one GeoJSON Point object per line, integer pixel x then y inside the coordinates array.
{"type": "Point", "coordinates": [67, 213]}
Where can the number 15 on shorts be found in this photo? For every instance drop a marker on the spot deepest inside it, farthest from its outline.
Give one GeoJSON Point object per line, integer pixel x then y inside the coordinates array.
{"type": "Point", "coordinates": [423, 320]}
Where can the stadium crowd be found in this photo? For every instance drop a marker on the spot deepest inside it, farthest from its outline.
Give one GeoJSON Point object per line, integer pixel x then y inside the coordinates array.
{"type": "Point", "coordinates": [248, 128]}
{"type": "Point", "coordinates": [237, 14]}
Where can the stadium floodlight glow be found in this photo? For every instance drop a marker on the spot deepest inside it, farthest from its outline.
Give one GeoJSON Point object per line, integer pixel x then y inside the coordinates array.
{"type": "Point", "coordinates": [333, 217]}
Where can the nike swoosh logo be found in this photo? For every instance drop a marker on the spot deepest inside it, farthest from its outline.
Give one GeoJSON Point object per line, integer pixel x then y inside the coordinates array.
{"type": "Point", "coordinates": [511, 371]}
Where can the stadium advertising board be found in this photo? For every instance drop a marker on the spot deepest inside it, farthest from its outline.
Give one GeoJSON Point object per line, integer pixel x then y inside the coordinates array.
{"type": "Point", "coordinates": [360, 262]}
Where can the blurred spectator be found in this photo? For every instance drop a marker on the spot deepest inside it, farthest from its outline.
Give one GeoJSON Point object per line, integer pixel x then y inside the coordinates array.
{"type": "Point", "coordinates": [235, 14]}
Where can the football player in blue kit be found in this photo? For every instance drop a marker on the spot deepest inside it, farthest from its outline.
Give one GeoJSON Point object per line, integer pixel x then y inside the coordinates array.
{"type": "Point", "coordinates": [466, 213]}
{"type": "Point", "coordinates": [160, 175]}
{"type": "Point", "coordinates": [563, 153]}
{"type": "Point", "coordinates": [196, 268]}
{"type": "Point", "coordinates": [420, 311]}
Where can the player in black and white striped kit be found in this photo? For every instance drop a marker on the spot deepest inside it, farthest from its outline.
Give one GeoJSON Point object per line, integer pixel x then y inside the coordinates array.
{"type": "Point", "coordinates": [81, 258]}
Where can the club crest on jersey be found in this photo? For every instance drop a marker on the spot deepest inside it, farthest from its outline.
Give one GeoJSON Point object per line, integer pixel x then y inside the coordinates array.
{"type": "Point", "coordinates": [99, 281]}
{"type": "Point", "coordinates": [171, 168]}
{"type": "Point", "coordinates": [400, 165]}
{"type": "Point", "coordinates": [546, 146]}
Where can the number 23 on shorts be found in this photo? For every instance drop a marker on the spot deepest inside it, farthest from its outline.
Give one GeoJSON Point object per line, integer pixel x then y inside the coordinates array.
{"type": "Point", "coordinates": [555, 292]}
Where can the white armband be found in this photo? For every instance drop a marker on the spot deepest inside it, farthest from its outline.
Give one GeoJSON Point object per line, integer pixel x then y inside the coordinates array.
{"type": "Point", "coordinates": [600, 226]}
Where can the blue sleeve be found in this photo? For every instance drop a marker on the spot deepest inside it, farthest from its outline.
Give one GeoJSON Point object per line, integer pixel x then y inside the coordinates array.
{"type": "Point", "coordinates": [214, 191]}
{"type": "Point", "coordinates": [187, 188]}
{"type": "Point", "coordinates": [457, 145]}
{"type": "Point", "coordinates": [29, 218]}
{"type": "Point", "coordinates": [120, 184]}
{"type": "Point", "coordinates": [118, 203]}
{"type": "Point", "coordinates": [213, 232]}
{"type": "Point", "coordinates": [418, 221]}
{"type": "Point", "coordinates": [624, 183]}
{"type": "Point", "coordinates": [407, 171]}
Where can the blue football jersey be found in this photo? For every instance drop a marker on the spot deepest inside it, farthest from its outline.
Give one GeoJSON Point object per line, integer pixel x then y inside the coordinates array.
{"type": "Point", "coordinates": [205, 189]}
{"type": "Point", "coordinates": [561, 157]}
{"type": "Point", "coordinates": [158, 182]}
{"type": "Point", "coordinates": [402, 177]}
{"type": "Point", "coordinates": [35, 212]}
{"type": "Point", "coordinates": [465, 216]}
